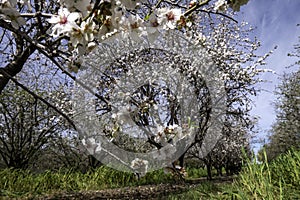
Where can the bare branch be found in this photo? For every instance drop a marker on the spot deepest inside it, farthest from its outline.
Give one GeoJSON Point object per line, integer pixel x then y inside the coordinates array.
{"type": "Point", "coordinates": [218, 13]}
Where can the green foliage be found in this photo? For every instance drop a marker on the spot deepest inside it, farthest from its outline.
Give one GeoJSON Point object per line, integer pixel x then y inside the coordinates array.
{"type": "Point", "coordinates": [286, 169]}
{"type": "Point", "coordinates": [21, 183]}
{"type": "Point", "coordinates": [196, 172]}
{"type": "Point", "coordinates": [279, 179]}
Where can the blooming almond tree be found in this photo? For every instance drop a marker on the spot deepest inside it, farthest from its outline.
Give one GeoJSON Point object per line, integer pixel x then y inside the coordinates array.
{"type": "Point", "coordinates": [66, 31]}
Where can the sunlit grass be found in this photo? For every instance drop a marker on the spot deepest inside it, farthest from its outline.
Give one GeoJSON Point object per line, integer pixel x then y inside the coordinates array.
{"type": "Point", "coordinates": [196, 172]}
{"type": "Point", "coordinates": [279, 179]}
{"type": "Point", "coordinates": [276, 180]}
{"type": "Point", "coordinates": [15, 183]}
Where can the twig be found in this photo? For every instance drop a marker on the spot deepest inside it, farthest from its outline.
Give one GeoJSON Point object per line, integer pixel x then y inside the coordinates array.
{"type": "Point", "coordinates": [195, 7]}
{"type": "Point", "coordinates": [33, 15]}
{"type": "Point", "coordinates": [218, 13]}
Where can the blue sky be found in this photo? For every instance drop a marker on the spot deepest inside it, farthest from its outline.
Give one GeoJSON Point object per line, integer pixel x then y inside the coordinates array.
{"type": "Point", "coordinates": [276, 25]}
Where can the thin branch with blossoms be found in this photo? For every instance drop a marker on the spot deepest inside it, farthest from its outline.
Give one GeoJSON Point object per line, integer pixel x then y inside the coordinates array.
{"type": "Point", "coordinates": [36, 96]}
{"type": "Point", "coordinates": [104, 18]}
{"type": "Point", "coordinates": [195, 7]}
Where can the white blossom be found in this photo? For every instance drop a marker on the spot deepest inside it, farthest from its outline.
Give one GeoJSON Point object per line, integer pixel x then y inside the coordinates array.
{"type": "Point", "coordinates": [139, 165]}
{"type": "Point", "coordinates": [10, 14]}
{"type": "Point", "coordinates": [116, 17]}
{"type": "Point", "coordinates": [168, 17]}
{"type": "Point", "coordinates": [153, 28]}
{"type": "Point", "coordinates": [81, 5]}
{"type": "Point", "coordinates": [64, 22]}
{"type": "Point", "coordinates": [132, 25]}
{"type": "Point", "coordinates": [83, 35]}
{"type": "Point", "coordinates": [160, 137]}
{"type": "Point", "coordinates": [130, 4]}
{"type": "Point", "coordinates": [220, 5]}
{"type": "Point", "coordinates": [132, 22]}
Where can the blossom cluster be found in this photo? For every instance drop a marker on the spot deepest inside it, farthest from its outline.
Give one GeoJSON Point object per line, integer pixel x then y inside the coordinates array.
{"type": "Point", "coordinates": [77, 20]}
{"type": "Point", "coordinates": [10, 14]}
{"type": "Point", "coordinates": [165, 134]}
{"type": "Point", "coordinates": [140, 165]}
{"type": "Point", "coordinates": [85, 24]}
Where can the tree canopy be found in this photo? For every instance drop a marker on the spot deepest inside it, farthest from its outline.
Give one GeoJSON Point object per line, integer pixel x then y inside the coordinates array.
{"type": "Point", "coordinates": [67, 36]}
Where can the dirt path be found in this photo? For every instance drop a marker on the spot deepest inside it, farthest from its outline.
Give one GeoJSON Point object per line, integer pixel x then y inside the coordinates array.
{"type": "Point", "coordinates": [139, 192]}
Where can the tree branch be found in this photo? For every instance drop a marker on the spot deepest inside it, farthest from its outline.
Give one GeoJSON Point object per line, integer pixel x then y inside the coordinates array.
{"type": "Point", "coordinates": [195, 7]}
{"type": "Point", "coordinates": [49, 54]}
{"type": "Point", "coordinates": [40, 98]}
{"type": "Point", "coordinates": [15, 66]}
{"type": "Point", "coordinates": [218, 13]}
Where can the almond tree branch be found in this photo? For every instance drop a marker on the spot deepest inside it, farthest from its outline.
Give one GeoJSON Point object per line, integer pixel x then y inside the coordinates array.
{"type": "Point", "coordinates": [15, 67]}
{"type": "Point", "coordinates": [49, 54]}
{"type": "Point", "coordinates": [195, 7]}
{"type": "Point", "coordinates": [218, 13]}
{"type": "Point", "coordinates": [40, 98]}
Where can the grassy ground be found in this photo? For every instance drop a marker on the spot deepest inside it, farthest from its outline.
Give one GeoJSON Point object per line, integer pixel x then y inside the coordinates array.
{"type": "Point", "coordinates": [277, 180]}
{"type": "Point", "coordinates": [17, 183]}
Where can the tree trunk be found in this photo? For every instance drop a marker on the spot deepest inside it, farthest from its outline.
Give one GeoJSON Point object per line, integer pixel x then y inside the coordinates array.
{"type": "Point", "coordinates": [208, 166]}
{"type": "Point", "coordinates": [13, 68]}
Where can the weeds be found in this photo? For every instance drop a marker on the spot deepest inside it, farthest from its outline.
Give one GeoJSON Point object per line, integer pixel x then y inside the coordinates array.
{"type": "Point", "coordinates": [16, 183]}
{"type": "Point", "coordinates": [279, 179]}
{"type": "Point", "coordinates": [273, 181]}
{"type": "Point", "coordinates": [276, 180]}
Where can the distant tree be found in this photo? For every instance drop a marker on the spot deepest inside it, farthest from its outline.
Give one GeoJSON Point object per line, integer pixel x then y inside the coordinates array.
{"type": "Point", "coordinates": [26, 127]}
{"type": "Point", "coordinates": [285, 132]}
{"type": "Point", "coordinates": [229, 152]}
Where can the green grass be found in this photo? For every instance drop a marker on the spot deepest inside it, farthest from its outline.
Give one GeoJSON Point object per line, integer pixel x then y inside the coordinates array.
{"type": "Point", "coordinates": [18, 183]}
{"type": "Point", "coordinates": [206, 190]}
{"type": "Point", "coordinates": [279, 179]}
{"type": "Point", "coordinates": [196, 173]}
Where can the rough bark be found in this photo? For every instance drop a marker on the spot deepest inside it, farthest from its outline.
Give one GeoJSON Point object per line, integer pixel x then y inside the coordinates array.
{"type": "Point", "coordinates": [13, 68]}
